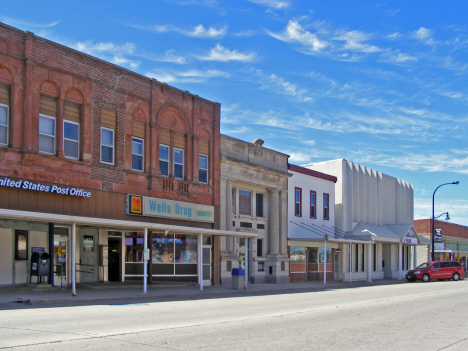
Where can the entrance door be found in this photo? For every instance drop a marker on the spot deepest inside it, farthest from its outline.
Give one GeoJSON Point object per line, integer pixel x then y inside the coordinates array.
{"type": "Point", "coordinates": [207, 260]}
{"type": "Point", "coordinates": [61, 257]}
{"type": "Point", "coordinates": [114, 259]}
{"type": "Point", "coordinates": [87, 267]}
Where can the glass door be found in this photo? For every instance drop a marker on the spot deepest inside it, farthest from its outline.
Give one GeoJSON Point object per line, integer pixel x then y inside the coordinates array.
{"type": "Point", "coordinates": [60, 261]}
{"type": "Point", "coordinates": [207, 260]}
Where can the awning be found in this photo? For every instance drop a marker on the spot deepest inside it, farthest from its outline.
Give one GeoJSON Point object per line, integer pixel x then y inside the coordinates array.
{"type": "Point", "coordinates": [392, 233]}
{"type": "Point", "coordinates": [114, 223]}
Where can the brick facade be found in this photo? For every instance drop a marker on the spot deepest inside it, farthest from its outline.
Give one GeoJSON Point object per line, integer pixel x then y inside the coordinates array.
{"type": "Point", "coordinates": [32, 67]}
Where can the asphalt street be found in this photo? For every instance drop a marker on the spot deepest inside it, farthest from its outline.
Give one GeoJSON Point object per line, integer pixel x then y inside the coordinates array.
{"type": "Point", "coordinates": [412, 316]}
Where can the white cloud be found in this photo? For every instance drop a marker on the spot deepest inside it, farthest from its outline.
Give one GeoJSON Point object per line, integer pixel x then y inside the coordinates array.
{"type": "Point", "coordinates": [15, 22]}
{"type": "Point", "coordinates": [276, 4]}
{"type": "Point", "coordinates": [424, 35]}
{"type": "Point", "coordinates": [299, 157]}
{"type": "Point", "coordinates": [354, 41]}
{"type": "Point", "coordinates": [90, 48]}
{"type": "Point", "coordinates": [220, 53]}
{"type": "Point", "coordinates": [122, 61]}
{"type": "Point", "coordinates": [397, 57]}
{"type": "Point", "coordinates": [191, 76]}
{"type": "Point", "coordinates": [294, 33]}
{"type": "Point", "coordinates": [283, 87]}
{"type": "Point", "coordinates": [198, 31]}
{"type": "Point", "coordinates": [171, 56]}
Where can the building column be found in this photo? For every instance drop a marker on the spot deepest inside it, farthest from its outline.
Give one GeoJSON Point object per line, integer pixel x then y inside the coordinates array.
{"type": "Point", "coordinates": [154, 147]}
{"type": "Point", "coordinates": [59, 128]}
{"type": "Point", "coordinates": [369, 263]}
{"type": "Point", "coordinates": [229, 239]}
{"type": "Point", "coordinates": [273, 219]}
{"type": "Point", "coordinates": [400, 255]}
{"type": "Point", "coordinates": [415, 258]}
{"type": "Point", "coordinates": [27, 106]}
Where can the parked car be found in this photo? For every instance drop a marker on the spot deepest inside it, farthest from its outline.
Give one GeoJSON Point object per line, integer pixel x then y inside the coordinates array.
{"type": "Point", "coordinates": [440, 270]}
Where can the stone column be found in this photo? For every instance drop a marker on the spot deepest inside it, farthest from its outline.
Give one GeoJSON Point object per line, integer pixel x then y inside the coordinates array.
{"type": "Point", "coordinates": [273, 220]}
{"type": "Point", "coordinates": [400, 255]}
{"type": "Point", "coordinates": [229, 240]}
{"type": "Point", "coordinates": [27, 106]}
{"type": "Point", "coordinates": [369, 263]}
{"type": "Point", "coordinates": [154, 147]}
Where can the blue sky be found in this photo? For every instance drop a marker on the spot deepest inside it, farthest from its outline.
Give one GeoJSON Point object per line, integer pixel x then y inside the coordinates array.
{"type": "Point", "coordinates": [381, 83]}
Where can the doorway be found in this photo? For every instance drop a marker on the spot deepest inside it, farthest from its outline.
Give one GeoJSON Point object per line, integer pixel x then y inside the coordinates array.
{"type": "Point", "coordinates": [207, 260]}
{"type": "Point", "coordinates": [115, 263]}
{"type": "Point", "coordinates": [87, 267]}
{"type": "Point", "coordinates": [60, 261]}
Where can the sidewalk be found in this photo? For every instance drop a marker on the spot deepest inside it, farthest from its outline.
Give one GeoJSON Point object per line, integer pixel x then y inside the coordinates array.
{"type": "Point", "coordinates": [113, 292]}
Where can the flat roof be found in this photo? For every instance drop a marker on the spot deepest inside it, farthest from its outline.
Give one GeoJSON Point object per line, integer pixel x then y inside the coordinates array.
{"type": "Point", "coordinates": [311, 172]}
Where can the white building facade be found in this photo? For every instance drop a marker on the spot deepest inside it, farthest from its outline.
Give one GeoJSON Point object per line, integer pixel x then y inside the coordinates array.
{"type": "Point", "coordinates": [378, 209]}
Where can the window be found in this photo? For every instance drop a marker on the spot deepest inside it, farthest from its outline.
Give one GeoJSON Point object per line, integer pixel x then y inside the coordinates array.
{"type": "Point", "coordinates": [21, 245]}
{"type": "Point", "coordinates": [313, 196]}
{"type": "Point", "coordinates": [107, 145]}
{"type": "Point", "coordinates": [164, 159]}
{"type": "Point", "coordinates": [4, 112]}
{"type": "Point", "coordinates": [137, 154]}
{"type": "Point", "coordinates": [313, 255]}
{"type": "Point", "coordinates": [259, 247]}
{"type": "Point", "coordinates": [245, 202]}
{"type": "Point", "coordinates": [259, 205]}
{"type": "Point", "coordinates": [374, 262]}
{"type": "Point", "coordinates": [356, 256]}
{"type": "Point", "coordinates": [46, 134]}
{"type": "Point", "coordinates": [298, 202]}
{"type": "Point", "coordinates": [71, 144]}
{"type": "Point", "coordinates": [233, 200]}
{"type": "Point", "coordinates": [203, 169]}
{"type": "Point", "coordinates": [4, 124]}
{"type": "Point", "coordinates": [325, 206]}
{"type": "Point", "coordinates": [179, 163]}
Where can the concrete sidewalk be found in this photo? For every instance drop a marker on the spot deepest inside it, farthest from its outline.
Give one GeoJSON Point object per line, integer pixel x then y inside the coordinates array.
{"type": "Point", "coordinates": [113, 292]}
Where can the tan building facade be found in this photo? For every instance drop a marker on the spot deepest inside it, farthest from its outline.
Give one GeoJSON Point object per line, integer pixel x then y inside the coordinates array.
{"type": "Point", "coordinates": [254, 187]}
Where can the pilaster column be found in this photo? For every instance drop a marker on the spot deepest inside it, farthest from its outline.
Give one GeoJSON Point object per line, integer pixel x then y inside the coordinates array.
{"type": "Point", "coordinates": [273, 220]}
{"type": "Point", "coordinates": [189, 158]}
{"type": "Point", "coordinates": [415, 258]}
{"type": "Point", "coordinates": [400, 255]}
{"type": "Point", "coordinates": [27, 106]}
{"type": "Point", "coordinates": [369, 262]}
{"type": "Point", "coordinates": [154, 147]}
{"type": "Point", "coordinates": [59, 127]}
{"type": "Point", "coordinates": [229, 240]}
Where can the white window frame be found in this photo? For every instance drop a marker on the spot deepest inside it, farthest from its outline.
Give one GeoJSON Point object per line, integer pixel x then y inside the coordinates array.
{"type": "Point", "coordinates": [180, 164]}
{"type": "Point", "coordinates": [54, 136]}
{"type": "Point", "coordinates": [77, 141]}
{"type": "Point", "coordinates": [6, 125]}
{"type": "Point", "coordinates": [203, 169]}
{"type": "Point", "coordinates": [142, 154]}
{"type": "Point", "coordinates": [113, 146]}
{"type": "Point", "coordinates": [168, 159]}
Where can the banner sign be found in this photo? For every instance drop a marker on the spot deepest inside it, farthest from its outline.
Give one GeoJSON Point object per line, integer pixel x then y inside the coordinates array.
{"type": "Point", "coordinates": [438, 235]}
{"type": "Point", "coordinates": [27, 185]}
{"type": "Point", "coordinates": [155, 207]}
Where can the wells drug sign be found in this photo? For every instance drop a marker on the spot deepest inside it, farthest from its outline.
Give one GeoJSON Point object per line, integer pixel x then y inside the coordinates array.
{"type": "Point", "coordinates": [155, 207]}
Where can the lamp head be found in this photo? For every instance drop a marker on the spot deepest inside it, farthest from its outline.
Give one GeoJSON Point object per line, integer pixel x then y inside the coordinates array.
{"type": "Point", "coordinates": [447, 218]}
{"type": "Point", "coordinates": [455, 182]}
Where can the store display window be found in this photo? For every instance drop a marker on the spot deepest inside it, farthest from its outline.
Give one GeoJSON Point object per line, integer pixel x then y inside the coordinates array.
{"type": "Point", "coordinates": [134, 247]}
{"type": "Point", "coordinates": [174, 248]}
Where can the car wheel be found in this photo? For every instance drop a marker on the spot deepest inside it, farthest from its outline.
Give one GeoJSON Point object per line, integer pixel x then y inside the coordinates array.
{"type": "Point", "coordinates": [425, 278]}
{"type": "Point", "coordinates": [456, 276]}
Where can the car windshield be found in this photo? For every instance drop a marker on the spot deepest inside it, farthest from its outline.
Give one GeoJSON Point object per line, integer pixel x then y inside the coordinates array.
{"type": "Point", "coordinates": [423, 265]}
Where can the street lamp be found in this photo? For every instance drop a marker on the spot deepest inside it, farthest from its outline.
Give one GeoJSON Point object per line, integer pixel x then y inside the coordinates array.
{"type": "Point", "coordinates": [432, 226]}
{"type": "Point", "coordinates": [446, 218]}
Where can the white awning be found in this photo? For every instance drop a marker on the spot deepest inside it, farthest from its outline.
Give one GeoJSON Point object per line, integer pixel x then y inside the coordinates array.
{"type": "Point", "coordinates": [114, 223]}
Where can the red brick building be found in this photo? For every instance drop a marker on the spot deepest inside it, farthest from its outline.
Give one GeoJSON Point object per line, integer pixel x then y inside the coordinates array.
{"type": "Point", "coordinates": [454, 245]}
{"type": "Point", "coordinates": [72, 124]}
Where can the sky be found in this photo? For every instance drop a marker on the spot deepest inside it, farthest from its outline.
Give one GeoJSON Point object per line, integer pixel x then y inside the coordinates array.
{"type": "Point", "coordinates": [379, 83]}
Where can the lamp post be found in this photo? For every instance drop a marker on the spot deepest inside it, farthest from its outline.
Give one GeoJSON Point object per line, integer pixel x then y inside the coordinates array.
{"type": "Point", "coordinates": [432, 226]}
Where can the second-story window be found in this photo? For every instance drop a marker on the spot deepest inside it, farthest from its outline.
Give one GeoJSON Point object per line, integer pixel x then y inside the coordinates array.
{"type": "Point", "coordinates": [259, 205]}
{"type": "Point", "coordinates": [107, 145]}
{"type": "Point", "coordinates": [203, 169]}
{"type": "Point", "coordinates": [245, 202]}
{"type": "Point", "coordinates": [46, 134]}
{"type": "Point", "coordinates": [313, 196]}
{"type": "Point", "coordinates": [47, 128]}
{"type": "Point", "coordinates": [137, 154]}
{"type": "Point", "coordinates": [179, 163]}
{"type": "Point", "coordinates": [71, 143]}
{"type": "Point", "coordinates": [4, 112]}
{"type": "Point", "coordinates": [164, 159]}
{"type": "Point", "coordinates": [325, 206]}
{"type": "Point", "coordinates": [298, 202]}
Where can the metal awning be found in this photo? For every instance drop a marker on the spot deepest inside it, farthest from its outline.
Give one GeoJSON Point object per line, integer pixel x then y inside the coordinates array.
{"type": "Point", "coordinates": [114, 223]}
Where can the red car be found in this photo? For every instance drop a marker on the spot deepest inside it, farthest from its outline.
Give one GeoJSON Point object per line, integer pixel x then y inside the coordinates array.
{"type": "Point", "coordinates": [440, 270]}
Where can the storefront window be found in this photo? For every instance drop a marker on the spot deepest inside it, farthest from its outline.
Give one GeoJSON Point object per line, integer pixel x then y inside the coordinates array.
{"type": "Point", "coordinates": [185, 248]}
{"type": "Point", "coordinates": [134, 247]}
{"type": "Point", "coordinates": [322, 255]}
{"type": "Point", "coordinates": [21, 245]}
{"type": "Point", "coordinates": [313, 255]}
{"type": "Point", "coordinates": [297, 254]}
{"type": "Point", "coordinates": [316, 255]}
{"type": "Point", "coordinates": [176, 248]}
